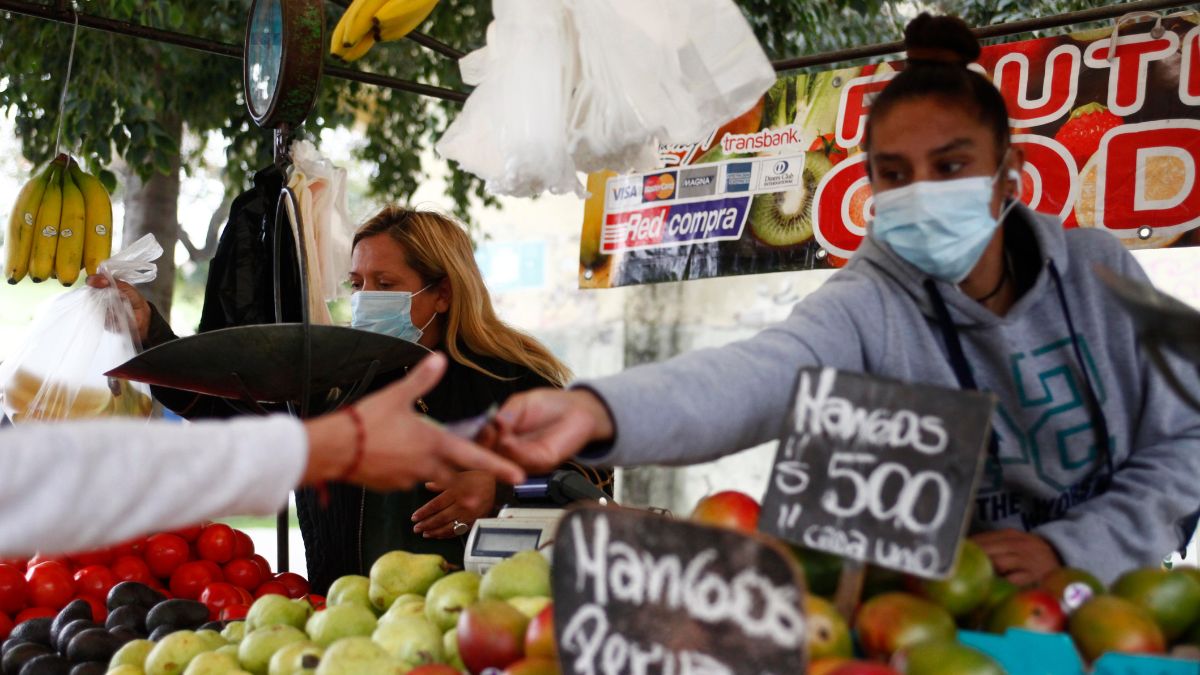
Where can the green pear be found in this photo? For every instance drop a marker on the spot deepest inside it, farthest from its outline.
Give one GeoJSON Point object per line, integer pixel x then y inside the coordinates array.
{"type": "Point", "coordinates": [524, 574]}
{"type": "Point", "coordinates": [352, 589]}
{"type": "Point", "coordinates": [272, 610]}
{"type": "Point", "coordinates": [298, 658]}
{"type": "Point", "coordinates": [450, 649]}
{"type": "Point", "coordinates": [234, 631]}
{"type": "Point", "coordinates": [132, 653]}
{"type": "Point", "coordinates": [212, 663]}
{"type": "Point", "coordinates": [400, 572]}
{"type": "Point", "coordinates": [413, 639]}
{"type": "Point", "coordinates": [259, 645]}
{"type": "Point", "coordinates": [528, 606]}
{"type": "Point", "coordinates": [405, 605]}
{"type": "Point", "coordinates": [230, 649]}
{"type": "Point", "coordinates": [334, 623]}
{"type": "Point", "coordinates": [359, 656]}
{"type": "Point", "coordinates": [173, 653]}
{"type": "Point", "coordinates": [448, 596]}
{"type": "Point", "coordinates": [212, 638]}
{"type": "Point", "coordinates": [126, 669]}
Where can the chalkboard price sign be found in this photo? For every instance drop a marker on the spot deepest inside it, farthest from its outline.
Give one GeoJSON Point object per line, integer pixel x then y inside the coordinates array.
{"type": "Point", "coordinates": [639, 593]}
{"type": "Point", "coordinates": [878, 471]}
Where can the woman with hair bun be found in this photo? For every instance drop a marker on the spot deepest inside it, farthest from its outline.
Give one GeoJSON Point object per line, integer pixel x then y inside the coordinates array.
{"type": "Point", "coordinates": [956, 284]}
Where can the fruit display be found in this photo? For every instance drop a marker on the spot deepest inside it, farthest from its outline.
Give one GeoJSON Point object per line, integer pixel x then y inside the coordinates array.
{"type": "Point", "coordinates": [116, 605]}
{"type": "Point", "coordinates": [61, 224]}
{"type": "Point", "coordinates": [366, 22]}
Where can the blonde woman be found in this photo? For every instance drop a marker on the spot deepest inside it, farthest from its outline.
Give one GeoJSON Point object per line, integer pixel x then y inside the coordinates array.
{"type": "Point", "coordinates": [415, 277]}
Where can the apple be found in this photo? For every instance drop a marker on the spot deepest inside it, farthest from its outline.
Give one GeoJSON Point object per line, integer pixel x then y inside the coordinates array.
{"type": "Point", "coordinates": [730, 508]}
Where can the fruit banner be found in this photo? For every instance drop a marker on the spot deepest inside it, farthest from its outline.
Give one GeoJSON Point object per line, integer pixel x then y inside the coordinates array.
{"type": "Point", "coordinates": [1110, 130]}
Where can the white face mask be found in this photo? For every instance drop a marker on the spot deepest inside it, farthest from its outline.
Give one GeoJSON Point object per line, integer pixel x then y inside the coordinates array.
{"type": "Point", "coordinates": [941, 227]}
{"type": "Point", "coordinates": [387, 312]}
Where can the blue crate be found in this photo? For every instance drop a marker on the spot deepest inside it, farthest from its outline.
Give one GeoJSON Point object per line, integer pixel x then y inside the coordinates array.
{"type": "Point", "coordinates": [1023, 652]}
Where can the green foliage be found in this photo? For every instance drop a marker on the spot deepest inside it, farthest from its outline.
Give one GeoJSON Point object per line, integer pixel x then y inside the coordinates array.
{"type": "Point", "coordinates": [991, 12]}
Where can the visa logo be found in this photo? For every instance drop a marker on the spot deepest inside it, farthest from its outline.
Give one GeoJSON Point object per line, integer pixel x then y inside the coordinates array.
{"type": "Point", "coordinates": [625, 192]}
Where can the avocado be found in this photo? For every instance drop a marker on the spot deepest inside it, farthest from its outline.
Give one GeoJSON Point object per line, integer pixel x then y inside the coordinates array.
{"type": "Point", "coordinates": [19, 655]}
{"type": "Point", "coordinates": [132, 593]}
{"type": "Point", "coordinates": [90, 668]}
{"type": "Point", "coordinates": [75, 610]}
{"type": "Point", "coordinates": [217, 626]}
{"type": "Point", "coordinates": [126, 634]}
{"type": "Point", "coordinates": [69, 631]}
{"type": "Point", "coordinates": [163, 631]}
{"type": "Point", "coordinates": [48, 664]}
{"type": "Point", "coordinates": [33, 630]}
{"type": "Point", "coordinates": [130, 616]}
{"type": "Point", "coordinates": [188, 614]}
{"type": "Point", "coordinates": [9, 644]}
{"type": "Point", "coordinates": [93, 644]}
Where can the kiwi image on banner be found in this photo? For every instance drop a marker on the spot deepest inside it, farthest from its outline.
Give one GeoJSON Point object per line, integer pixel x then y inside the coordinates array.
{"type": "Point", "coordinates": [1111, 137]}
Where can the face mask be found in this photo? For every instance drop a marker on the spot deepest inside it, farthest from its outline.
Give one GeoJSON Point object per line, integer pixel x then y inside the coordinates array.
{"type": "Point", "coordinates": [941, 227]}
{"type": "Point", "coordinates": [387, 312]}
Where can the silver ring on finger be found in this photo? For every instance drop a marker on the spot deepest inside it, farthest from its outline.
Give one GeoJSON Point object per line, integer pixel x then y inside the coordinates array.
{"type": "Point", "coordinates": [461, 528]}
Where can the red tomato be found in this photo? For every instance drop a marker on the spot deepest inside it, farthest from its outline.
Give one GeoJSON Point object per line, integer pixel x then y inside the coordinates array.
{"type": "Point", "coordinates": [99, 610]}
{"type": "Point", "coordinates": [247, 598]}
{"type": "Point", "coordinates": [243, 545]}
{"type": "Point", "coordinates": [33, 613]}
{"type": "Point", "coordinates": [164, 553]}
{"type": "Point", "coordinates": [6, 626]}
{"type": "Point", "coordinates": [263, 565]}
{"type": "Point", "coordinates": [243, 573]}
{"type": "Point", "coordinates": [296, 585]}
{"type": "Point", "coordinates": [50, 585]}
{"type": "Point", "coordinates": [189, 534]}
{"type": "Point", "coordinates": [271, 588]}
{"type": "Point", "coordinates": [190, 578]}
{"type": "Point", "coordinates": [235, 612]}
{"type": "Point", "coordinates": [130, 568]}
{"type": "Point", "coordinates": [317, 601]}
{"type": "Point", "coordinates": [131, 547]}
{"type": "Point", "coordinates": [38, 559]}
{"type": "Point", "coordinates": [18, 563]}
{"type": "Point", "coordinates": [219, 595]}
{"type": "Point", "coordinates": [14, 590]}
{"type": "Point", "coordinates": [94, 581]}
{"type": "Point", "coordinates": [216, 543]}
{"type": "Point", "coordinates": [213, 569]}
{"type": "Point", "coordinates": [88, 558]}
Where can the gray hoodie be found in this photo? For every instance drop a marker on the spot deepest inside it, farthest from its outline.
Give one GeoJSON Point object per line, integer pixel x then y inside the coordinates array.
{"type": "Point", "coordinates": [876, 316]}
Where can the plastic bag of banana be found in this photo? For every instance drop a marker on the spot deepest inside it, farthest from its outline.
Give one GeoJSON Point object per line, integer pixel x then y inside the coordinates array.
{"type": "Point", "coordinates": [76, 337]}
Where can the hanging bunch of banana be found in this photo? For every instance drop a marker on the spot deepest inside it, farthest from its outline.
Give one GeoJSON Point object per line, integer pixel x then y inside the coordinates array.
{"type": "Point", "coordinates": [61, 224]}
{"type": "Point", "coordinates": [366, 22]}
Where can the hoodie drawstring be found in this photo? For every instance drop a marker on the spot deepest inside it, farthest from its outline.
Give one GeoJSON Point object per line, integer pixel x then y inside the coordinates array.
{"type": "Point", "coordinates": [966, 379]}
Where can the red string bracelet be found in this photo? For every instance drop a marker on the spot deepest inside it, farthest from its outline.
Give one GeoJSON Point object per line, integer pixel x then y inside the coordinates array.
{"type": "Point", "coordinates": [360, 440]}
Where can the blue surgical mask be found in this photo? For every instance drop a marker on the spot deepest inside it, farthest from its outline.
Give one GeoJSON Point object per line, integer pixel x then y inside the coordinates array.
{"type": "Point", "coordinates": [941, 227]}
{"type": "Point", "coordinates": [387, 312]}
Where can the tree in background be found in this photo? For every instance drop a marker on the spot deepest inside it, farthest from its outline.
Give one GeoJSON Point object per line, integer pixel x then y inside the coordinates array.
{"type": "Point", "coordinates": [132, 101]}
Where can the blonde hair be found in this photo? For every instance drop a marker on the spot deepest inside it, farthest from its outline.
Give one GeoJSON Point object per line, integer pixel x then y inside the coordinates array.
{"type": "Point", "coordinates": [437, 248]}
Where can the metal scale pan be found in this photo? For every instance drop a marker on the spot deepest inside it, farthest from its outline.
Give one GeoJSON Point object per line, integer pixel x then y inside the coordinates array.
{"type": "Point", "coordinates": [1161, 322]}
{"type": "Point", "coordinates": [263, 363]}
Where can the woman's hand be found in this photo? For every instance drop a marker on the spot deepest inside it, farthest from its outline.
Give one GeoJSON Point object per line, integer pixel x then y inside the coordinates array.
{"type": "Point", "coordinates": [137, 302]}
{"type": "Point", "coordinates": [1019, 557]}
{"type": "Point", "coordinates": [467, 498]}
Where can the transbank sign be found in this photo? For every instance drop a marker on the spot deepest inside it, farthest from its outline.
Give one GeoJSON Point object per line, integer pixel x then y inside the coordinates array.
{"type": "Point", "coordinates": [646, 211]}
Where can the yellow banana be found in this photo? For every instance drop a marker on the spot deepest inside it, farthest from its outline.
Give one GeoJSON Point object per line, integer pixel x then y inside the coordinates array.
{"type": "Point", "coordinates": [359, 49]}
{"type": "Point", "coordinates": [45, 227]}
{"type": "Point", "coordinates": [398, 18]}
{"type": "Point", "coordinates": [19, 240]}
{"type": "Point", "coordinates": [97, 239]}
{"type": "Point", "coordinates": [360, 19]}
{"type": "Point", "coordinates": [335, 43]}
{"type": "Point", "coordinates": [69, 256]}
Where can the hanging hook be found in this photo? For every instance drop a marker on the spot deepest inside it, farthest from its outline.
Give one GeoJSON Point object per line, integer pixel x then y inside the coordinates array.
{"type": "Point", "coordinates": [62, 99]}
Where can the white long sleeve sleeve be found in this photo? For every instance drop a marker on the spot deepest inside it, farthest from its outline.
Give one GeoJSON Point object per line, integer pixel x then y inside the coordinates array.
{"type": "Point", "coordinates": [83, 485]}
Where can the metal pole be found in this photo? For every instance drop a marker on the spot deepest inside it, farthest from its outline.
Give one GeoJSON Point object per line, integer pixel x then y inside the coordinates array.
{"type": "Point", "coordinates": [213, 47]}
{"type": "Point", "coordinates": [998, 30]}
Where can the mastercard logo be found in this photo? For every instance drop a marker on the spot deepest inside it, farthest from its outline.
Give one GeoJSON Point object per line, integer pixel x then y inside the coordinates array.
{"type": "Point", "coordinates": [658, 187]}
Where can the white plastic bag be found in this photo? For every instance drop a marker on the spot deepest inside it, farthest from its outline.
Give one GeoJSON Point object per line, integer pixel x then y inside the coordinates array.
{"type": "Point", "coordinates": [77, 337]}
{"type": "Point", "coordinates": [512, 130]}
{"type": "Point", "coordinates": [320, 189]}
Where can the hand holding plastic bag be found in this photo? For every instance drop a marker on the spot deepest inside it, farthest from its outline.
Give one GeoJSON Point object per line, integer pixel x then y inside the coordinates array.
{"type": "Point", "coordinates": [77, 337]}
